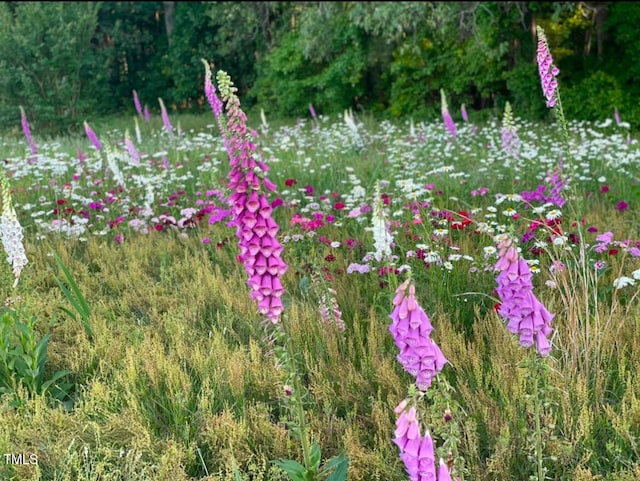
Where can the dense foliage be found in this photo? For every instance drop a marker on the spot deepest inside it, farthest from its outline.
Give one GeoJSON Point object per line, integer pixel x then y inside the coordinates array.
{"type": "Point", "coordinates": [64, 60]}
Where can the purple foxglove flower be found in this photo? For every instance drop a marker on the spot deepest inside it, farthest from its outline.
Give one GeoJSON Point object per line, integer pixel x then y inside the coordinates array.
{"type": "Point", "coordinates": [136, 103]}
{"type": "Point", "coordinates": [443, 472]}
{"type": "Point", "coordinates": [526, 315]}
{"type": "Point", "coordinates": [27, 132]}
{"type": "Point", "coordinates": [92, 136]}
{"type": "Point", "coordinates": [165, 118]}
{"type": "Point", "coordinates": [416, 451]}
{"type": "Point", "coordinates": [312, 111]}
{"type": "Point", "coordinates": [463, 112]}
{"type": "Point", "coordinates": [131, 148]}
{"type": "Point", "coordinates": [616, 116]}
{"type": "Point", "coordinates": [411, 328]}
{"type": "Point", "coordinates": [407, 433]}
{"type": "Point", "coordinates": [210, 91]}
{"type": "Point", "coordinates": [446, 117]}
{"type": "Point", "coordinates": [557, 184]}
{"type": "Point", "coordinates": [510, 140]}
{"type": "Point", "coordinates": [547, 71]}
{"type": "Point", "coordinates": [256, 230]}
{"type": "Point", "coordinates": [147, 114]}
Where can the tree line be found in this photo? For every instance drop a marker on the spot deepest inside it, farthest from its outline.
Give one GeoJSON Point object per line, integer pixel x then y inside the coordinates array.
{"type": "Point", "coordinates": [67, 61]}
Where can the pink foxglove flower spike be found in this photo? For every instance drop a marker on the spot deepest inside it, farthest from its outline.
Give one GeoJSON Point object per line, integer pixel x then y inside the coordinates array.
{"type": "Point", "coordinates": [547, 70]}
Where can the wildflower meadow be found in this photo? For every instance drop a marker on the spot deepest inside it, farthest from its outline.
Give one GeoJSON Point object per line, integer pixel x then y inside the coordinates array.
{"type": "Point", "coordinates": [332, 298]}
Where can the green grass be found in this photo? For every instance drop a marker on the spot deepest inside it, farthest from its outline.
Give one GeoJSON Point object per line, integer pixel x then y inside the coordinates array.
{"type": "Point", "coordinates": [172, 375]}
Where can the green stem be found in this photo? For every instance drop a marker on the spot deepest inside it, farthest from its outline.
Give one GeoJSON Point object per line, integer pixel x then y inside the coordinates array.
{"type": "Point", "coordinates": [299, 405]}
{"type": "Point", "coordinates": [539, 446]}
{"type": "Point", "coordinates": [302, 425]}
{"type": "Point", "coordinates": [559, 111]}
{"type": "Point", "coordinates": [453, 427]}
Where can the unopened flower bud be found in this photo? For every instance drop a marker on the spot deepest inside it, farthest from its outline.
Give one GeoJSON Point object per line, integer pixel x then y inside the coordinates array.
{"type": "Point", "coordinates": [447, 415]}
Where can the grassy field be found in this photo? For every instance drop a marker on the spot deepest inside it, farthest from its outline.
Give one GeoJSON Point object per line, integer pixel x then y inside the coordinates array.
{"type": "Point", "coordinates": [166, 370]}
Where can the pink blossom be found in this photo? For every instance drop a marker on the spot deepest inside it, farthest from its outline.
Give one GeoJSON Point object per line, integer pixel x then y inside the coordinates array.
{"type": "Point", "coordinates": [411, 328]}
{"type": "Point", "coordinates": [546, 69]}
{"type": "Point", "coordinates": [136, 103]}
{"type": "Point", "coordinates": [524, 313]}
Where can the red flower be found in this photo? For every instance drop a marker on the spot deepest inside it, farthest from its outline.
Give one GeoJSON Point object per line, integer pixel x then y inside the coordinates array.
{"type": "Point", "coordinates": [338, 206]}
{"type": "Point", "coordinates": [290, 182]}
{"type": "Point", "coordinates": [613, 252]}
{"type": "Point", "coordinates": [460, 222]}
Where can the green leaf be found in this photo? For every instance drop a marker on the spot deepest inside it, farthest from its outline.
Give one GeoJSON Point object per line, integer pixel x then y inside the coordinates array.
{"type": "Point", "coordinates": [236, 473]}
{"type": "Point", "coordinates": [315, 456]}
{"type": "Point", "coordinates": [75, 297]}
{"type": "Point", "coordinates": [340, 466]}
{"type": "Point", "coordinates": [294, 469]}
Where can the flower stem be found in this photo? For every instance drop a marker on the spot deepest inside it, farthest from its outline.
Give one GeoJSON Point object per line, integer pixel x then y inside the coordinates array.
{"type": "Point", "coordinates": [296, 398]}
{"type": "Point", "coordinates": [537, 406]}
{"type": "Point", "coordinates": [302, 425]}
{"type": "Point", "coordinates": [559, 112]}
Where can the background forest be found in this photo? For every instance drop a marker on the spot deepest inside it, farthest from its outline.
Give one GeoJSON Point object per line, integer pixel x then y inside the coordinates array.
{"type": "Point", "coordinates": [65, 61]}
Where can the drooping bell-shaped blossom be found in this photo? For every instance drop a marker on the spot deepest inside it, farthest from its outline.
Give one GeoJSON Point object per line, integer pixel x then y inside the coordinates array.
{"type": "Point", "coordinates": [525, 315]}
{"type": "Point", "coordinates": [329, 309]}
{"type": "Point", "coordinates": [137, 104]}
{"type": "Point", "coordinates": [443, 471]}
{"type": "Point", "coordinates": [463, 112]}
{"type": "Point", "coordinates": [382, 238]}
{"type": "Point", "coordinates": [546, 69]}
{"type": "Point", "coordinates": [26, 129]}
{"type": "Point", "coordinates": [557, 184]}
{"type": "Point", "coordinates": [256, 230]}
{"type": "Point", "coordinates": [131, 148]}
{"type": "Point", "coordinates": [165, 118]}
{"type": "Point", "coordinates": [92, 136]}
{"type": "Point", "coordinates": [446, 116]}
{"type": "Point", "coordinates": [416, 451]}
{"type": "Point", "coordinates": [509, 134]}
{"type": "Point", "coordinates": [411, 328]}
{"type": "Point", "coordinates": [11, 233]}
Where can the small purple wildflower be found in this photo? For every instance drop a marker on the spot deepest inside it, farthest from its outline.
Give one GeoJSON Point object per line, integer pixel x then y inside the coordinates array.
{"type": "Point", "coordinates": [147, 114]}
{"type": "Point", "coordinates": [622, 206]}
